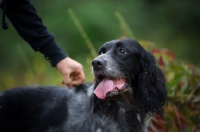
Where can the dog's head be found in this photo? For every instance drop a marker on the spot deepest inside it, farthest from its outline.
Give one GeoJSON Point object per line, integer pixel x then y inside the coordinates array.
{"type": "Point", "coordinates": [125, 71]}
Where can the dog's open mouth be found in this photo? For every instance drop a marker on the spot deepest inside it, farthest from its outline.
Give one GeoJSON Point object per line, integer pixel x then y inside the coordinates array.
{"type": "Point", "coordinates": [109, 87]}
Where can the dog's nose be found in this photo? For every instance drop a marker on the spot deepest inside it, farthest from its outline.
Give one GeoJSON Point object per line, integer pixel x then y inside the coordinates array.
{"type": "Point", "coordinates": [97, 63]}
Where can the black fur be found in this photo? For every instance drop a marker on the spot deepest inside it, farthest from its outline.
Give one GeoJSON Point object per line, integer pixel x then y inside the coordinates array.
{"type": "Point", "coordinates": [57, 109]}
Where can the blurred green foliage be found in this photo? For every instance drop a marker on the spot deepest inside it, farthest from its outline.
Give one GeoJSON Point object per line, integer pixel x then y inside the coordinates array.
{"type": "Point", "coordinates": [168, 23]}
{"type": "Point", "coordinates": [81, 27]}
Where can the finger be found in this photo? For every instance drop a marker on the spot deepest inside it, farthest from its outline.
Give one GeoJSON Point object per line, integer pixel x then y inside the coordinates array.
{"type": "Point", "coordinates": [67, 81]}
{"type": "Point", "coordinates": [77, 82]}
{"type": "Point", "coordinates": [78, 78]}
{"type": "Point", "coordinates": [69, 85]}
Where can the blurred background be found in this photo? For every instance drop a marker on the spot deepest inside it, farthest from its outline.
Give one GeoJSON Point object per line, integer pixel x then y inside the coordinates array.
{"type": "Point", "coordinates": [170, 24]}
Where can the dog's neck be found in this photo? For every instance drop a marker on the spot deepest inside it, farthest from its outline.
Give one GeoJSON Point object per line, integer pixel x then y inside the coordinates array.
{"type": "Point", "coordinates": [107, 106]}
{"type": "Point", "coordinates": [122, 109]}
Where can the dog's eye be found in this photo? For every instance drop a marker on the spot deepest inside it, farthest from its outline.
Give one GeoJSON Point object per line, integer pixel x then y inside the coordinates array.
{"type": "Point", "coordinates": [100, 53]}
{"type": "Point", "coordinates": [123, 51]}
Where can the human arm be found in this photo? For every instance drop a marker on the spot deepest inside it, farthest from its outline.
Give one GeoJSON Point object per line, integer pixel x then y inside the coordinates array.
{"type": "Point", "coordinates": [29, 25]}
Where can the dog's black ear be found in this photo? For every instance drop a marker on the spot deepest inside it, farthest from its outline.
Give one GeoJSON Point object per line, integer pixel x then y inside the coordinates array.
{"type": "Point", "coordinates": [151, 93]}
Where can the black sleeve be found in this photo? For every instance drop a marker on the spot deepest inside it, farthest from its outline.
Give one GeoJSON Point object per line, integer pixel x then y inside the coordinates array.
{"type": "Point", "coordinates": [29, 25]}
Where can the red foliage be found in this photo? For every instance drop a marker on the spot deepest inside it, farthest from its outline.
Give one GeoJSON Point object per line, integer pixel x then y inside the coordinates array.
{"type": "Point", "coordinates": [183, 80]}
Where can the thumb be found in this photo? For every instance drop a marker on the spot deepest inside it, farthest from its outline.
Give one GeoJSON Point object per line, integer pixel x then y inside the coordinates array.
{"type": "Point", "coordinates": [67, 81]}
{"type": "Point", "coordinates": [76, 82]}
{"type": "Point", "coordinates": [78, 78]}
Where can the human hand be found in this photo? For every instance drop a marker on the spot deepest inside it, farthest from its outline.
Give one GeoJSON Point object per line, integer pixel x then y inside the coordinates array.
{"type": "Point", "coordinates": [72, 72]}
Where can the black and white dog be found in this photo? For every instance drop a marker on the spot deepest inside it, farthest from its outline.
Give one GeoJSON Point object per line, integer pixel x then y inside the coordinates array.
{"type": "Point", "coordinates": [128, 89]}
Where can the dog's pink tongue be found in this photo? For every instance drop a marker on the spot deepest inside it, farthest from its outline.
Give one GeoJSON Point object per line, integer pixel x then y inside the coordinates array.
{"type": "Point", "coordinates": [107, 85]}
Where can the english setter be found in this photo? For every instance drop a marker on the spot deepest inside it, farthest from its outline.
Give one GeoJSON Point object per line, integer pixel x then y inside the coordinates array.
{"type": "Point", "coordinates": [129, 87]}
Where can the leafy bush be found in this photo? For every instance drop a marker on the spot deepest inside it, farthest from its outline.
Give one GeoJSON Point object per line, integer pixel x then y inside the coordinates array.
{"type": "Point", "coordinates": [183, 79]}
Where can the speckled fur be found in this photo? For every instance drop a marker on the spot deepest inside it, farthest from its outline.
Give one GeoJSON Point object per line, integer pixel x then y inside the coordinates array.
{"type": "Point", "coordinates": [58, 109]}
